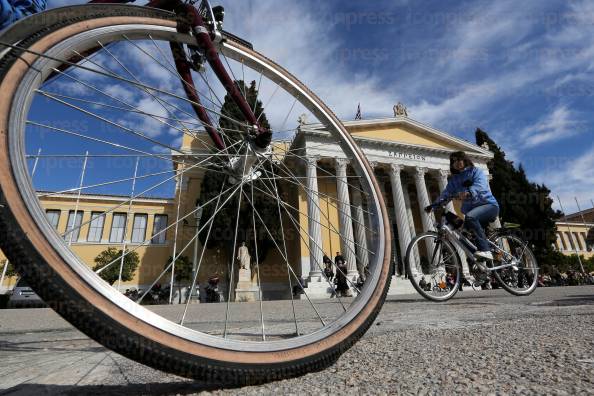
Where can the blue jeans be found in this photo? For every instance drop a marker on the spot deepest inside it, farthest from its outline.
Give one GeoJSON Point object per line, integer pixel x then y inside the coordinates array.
{"type": "Point", "coordinates": [478, 218]}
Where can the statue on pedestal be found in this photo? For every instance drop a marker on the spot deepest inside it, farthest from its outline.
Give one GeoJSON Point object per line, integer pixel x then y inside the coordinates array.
{"type": "Point", "coordinates": [302, 120]}
{"type": "Point", "coordinates": [246, 289]}
{"type": "Point", "coordinates": [243, 255]}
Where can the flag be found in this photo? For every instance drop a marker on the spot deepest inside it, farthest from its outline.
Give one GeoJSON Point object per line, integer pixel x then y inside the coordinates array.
{"type": "Point", "coordinates": [358, 115]}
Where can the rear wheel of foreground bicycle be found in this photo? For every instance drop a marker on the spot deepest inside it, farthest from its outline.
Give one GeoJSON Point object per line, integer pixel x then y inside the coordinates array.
{"type": "Point", "coordinates": [520, 281]}
{"type": "Point", "coordinates": [430, 262]}
{"type": "Point", "coordinates": [126, 107]}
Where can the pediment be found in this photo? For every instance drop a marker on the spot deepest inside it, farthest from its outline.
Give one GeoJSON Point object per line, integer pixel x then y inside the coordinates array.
{"type": "Point", "coordinates": [409, 132]}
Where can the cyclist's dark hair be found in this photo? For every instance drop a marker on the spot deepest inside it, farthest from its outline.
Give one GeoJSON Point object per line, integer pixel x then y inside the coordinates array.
{"type": "Point", "coordinates": [459, 155]}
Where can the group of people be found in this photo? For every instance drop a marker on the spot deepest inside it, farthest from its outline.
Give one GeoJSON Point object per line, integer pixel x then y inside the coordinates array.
{"type": "Point", "coordinates": [339, 278]}
{"type": "Point", "coordinates": [570, 278]}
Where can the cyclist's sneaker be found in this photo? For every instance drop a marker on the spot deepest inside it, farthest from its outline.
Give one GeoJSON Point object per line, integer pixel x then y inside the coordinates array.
{"type": "Point", "coordinates": [484, 255]}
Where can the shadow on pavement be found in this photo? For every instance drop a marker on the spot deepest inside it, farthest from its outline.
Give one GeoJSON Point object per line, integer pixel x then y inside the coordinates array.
{"type": "Point", "coordinates": [571, 301]}
{"type": "Point", "coordinates": [174, 388]}
{"type": "Point", "coordinates": [29, 346]}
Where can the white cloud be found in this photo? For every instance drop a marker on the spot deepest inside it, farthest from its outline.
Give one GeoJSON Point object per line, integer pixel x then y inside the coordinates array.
{"type": "Point", "coordinates": [120, 92]}
{"type": "Point", "coordinates": [296, 38]}
{"type": "Point", "coordinates": [570, 178]}
{"type": "Point", "coordinates": [558, 125]}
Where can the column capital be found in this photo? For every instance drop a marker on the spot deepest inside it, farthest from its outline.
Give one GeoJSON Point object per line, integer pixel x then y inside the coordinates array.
{"type": "Point", "coordinates": [374, 164]}
{"type": "Point", "coordinates": [341, 163]}
{"type": "Point", "coordinates": [443, 173]}
{"type": "Point", "coordinates": [396, 168]}
{"type": "Point", "coordinates": [312, 160]}
{"type": "Point", "coordinates": [420, 172]}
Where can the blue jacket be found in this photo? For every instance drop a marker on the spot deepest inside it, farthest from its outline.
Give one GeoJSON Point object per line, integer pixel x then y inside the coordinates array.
{"type": "Point", "coordinates": [480, 192]}
{"type": "Point", "coordinates": [13, 10]}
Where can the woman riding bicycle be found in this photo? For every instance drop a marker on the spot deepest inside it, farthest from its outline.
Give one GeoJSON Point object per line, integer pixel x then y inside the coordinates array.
{"type": "Point", "coordinates": [470, 184]}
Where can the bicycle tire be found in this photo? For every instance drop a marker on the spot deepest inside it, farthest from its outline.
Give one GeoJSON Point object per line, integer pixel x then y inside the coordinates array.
{"type": "Point", "coordinates": [74, 298]}
{"type": "Point", "coordinates": [413, 276]}
{"type": "Point", "coordinates": [508, 277]}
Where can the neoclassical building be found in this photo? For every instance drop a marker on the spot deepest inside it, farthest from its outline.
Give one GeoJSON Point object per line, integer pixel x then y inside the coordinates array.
{"type": "Point", "coordinates": [575, 233]}
{"type": "Point", "coordinates": [410, 160]}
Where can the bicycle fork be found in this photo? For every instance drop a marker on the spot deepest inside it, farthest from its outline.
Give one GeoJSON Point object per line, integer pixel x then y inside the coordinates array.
{"type": "Point", "coordinates": [193, 21]}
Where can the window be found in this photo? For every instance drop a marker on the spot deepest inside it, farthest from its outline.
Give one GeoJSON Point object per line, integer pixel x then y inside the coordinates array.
{"type": "Point", "coordinates": [139, 228]}
{"type": "Point", "coordinates": [118, 227]}
{"type": "Point", "coordinates": [53, 217]}
{"type": "Point", "coordinates": [96, 227]}
{"type": "Point", "coordinates": [160, 225]}
{"type": "Point", "coordinates": [74, 225]}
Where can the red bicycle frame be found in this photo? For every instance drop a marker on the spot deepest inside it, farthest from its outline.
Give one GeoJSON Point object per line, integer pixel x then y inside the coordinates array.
{"type": "Point", "coordinates": [204, 41]}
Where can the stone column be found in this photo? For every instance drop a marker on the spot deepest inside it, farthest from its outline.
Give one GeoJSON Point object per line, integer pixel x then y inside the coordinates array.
{"type": "Point", "coordinates": [404, 236]}
{"type": "Point", "coordinates": [411, 219]}
{"type": "Point", "coordinates": [443, 182]}
{"type": "Point", "coordinates": [423, 197]}
{"type": "Point", "coordinates": [390, 218]}
{"type": "Point", "coordinates": [344, 214]}
{"type": "Point", "coordinates": [360, 232]}
{"type": "Point", "coordinates": [313, 222]}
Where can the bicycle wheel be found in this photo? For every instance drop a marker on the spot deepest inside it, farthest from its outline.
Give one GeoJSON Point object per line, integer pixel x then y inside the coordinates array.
{"type": "Point", "coordinates": [119, 111]}
{"type": "Point", "coordinates": [430, 270]}
{"type": "Point", "coordinates": [522, 280]}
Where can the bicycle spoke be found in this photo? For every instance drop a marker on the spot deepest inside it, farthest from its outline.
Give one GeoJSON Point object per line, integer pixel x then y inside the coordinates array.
{"type": "Point", "coordinates": [178, 190]}
{"type": "Point", "coordinates": [303, 240]}
{"type": "Point", "coordinates": [195, 277]}
{"type": "Point", "coordinates": [82, 177]}
{"type": "Point", "coordinates": [126, 225]}
{"type": "Point", "coordinates": [147, 190]}
{"type": "Point", "coordinates": [258, 262]}
{"type": "Point", "coordinates": [234, 247]}
{"type": "Point", "coordinates": [166, 269]}
{"type": "Point", "coordinates": [160, 232]}
{"type": "Point", "coordinates": [285, 258]}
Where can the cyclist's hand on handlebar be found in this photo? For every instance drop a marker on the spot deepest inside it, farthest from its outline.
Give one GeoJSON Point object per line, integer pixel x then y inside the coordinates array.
{"type": "Point", "coordinates": [464, 195]}
{"type": "Point", "coordinates": [429, 208]}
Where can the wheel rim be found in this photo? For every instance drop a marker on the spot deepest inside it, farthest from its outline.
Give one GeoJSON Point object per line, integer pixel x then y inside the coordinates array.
{"type": "Point", "coordinates": [18, 152]}
{"type": "Point", "coordinates": [524, 279]}
{"type": "Point", "coordinates": [433, 260]}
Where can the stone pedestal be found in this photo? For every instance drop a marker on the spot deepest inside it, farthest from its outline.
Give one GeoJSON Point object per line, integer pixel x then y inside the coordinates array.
{"type": "Point", "coordinates": [246, 290]}
{"type": "Point", "coordinates": [317, 288]}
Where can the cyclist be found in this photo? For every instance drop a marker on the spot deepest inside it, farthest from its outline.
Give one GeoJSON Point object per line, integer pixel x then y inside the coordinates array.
{"type": "Point", "coordinates": [13, 10]}
{"type": "Point", "coordinates": [479, 206]}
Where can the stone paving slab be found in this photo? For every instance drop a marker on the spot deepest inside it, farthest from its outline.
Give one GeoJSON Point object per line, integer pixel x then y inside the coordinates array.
{"type": "Point", "coordinates": [478, 343]}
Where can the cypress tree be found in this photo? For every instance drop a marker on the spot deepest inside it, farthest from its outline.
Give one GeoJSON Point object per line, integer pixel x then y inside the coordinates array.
{"type": "Point", "coordinates": [222, 236]}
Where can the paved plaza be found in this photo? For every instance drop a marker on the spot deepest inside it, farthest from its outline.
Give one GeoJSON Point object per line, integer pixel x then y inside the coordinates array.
{"type": "Point", "coordinates": [479, 342]}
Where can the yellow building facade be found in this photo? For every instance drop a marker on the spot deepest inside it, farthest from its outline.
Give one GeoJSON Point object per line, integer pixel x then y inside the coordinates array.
{"type": "Point", "coordinates": [574, 234]}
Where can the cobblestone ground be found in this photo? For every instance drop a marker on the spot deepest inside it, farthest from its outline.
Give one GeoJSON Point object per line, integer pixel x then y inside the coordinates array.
{"type": "Point", "coordinates": [478, 343]}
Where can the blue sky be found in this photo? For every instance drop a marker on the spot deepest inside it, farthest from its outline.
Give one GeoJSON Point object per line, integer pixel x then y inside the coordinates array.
{"type": "Point", "coordinates": [522, 71]}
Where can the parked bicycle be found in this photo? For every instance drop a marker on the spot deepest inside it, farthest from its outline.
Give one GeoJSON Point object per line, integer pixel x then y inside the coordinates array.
{"type": "Point", "coordinates": [434, 256]}
{"type": "Point", "coordinates": [125, 81]}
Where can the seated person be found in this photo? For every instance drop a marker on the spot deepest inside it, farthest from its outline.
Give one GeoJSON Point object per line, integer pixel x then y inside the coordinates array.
{"type": "Point", "coordinates": [479, 206]}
